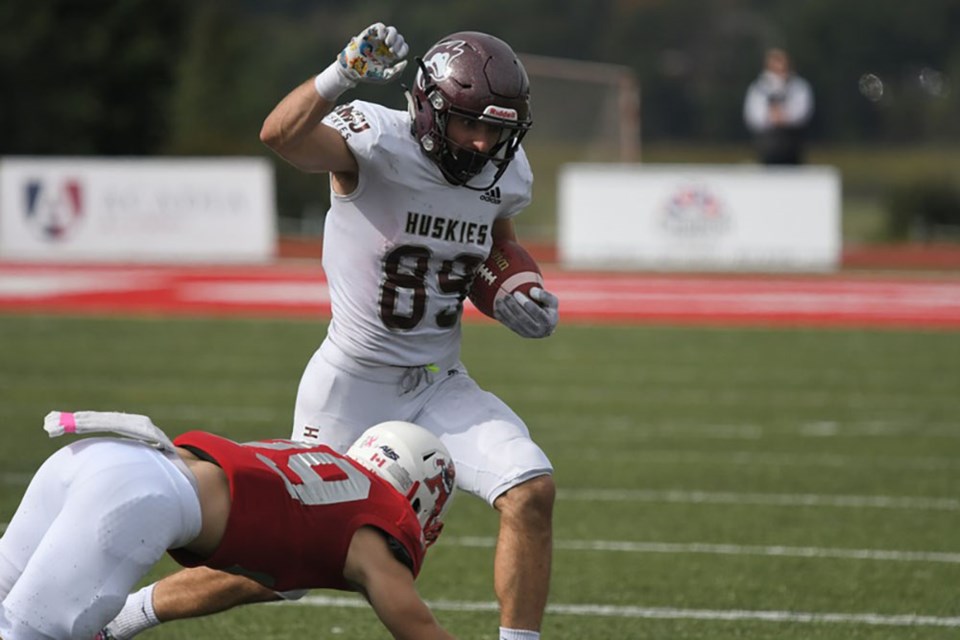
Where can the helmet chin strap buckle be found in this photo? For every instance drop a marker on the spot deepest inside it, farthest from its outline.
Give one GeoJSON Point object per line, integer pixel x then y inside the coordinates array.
{"type": "Point", "coordinates": [437, 101]}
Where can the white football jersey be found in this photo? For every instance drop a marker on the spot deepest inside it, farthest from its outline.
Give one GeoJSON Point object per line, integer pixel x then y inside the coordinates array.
{"type": "Point", "coordinates": [399, 252]}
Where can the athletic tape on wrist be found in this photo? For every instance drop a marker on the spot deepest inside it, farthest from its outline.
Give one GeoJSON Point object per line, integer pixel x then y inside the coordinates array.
{"type": "Point", "coordinates": [331, 83]}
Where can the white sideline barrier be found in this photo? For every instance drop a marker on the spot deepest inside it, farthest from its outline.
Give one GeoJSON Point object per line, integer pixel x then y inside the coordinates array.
{"type": "Point", "coordinates": [690, 217]}
{"type": "Point", "coordinates": [212, 210]}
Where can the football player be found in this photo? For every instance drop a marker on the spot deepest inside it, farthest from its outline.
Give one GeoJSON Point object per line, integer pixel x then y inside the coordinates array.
{"type": "Point", "coordinates": [418, 197]}
{"type": "Point", "coordinates": [101, 511]}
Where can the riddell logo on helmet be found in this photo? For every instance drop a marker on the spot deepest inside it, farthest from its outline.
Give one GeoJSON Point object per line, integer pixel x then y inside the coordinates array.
{"type": "Point", "coordinates": [501, 112]}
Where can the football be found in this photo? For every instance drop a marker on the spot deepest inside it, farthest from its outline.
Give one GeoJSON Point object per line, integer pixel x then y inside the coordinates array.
{"type": "Point", "coordinates": [509, 268]}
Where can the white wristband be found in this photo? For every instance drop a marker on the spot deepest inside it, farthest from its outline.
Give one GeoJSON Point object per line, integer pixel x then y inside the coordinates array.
{"type": "Point", "coordinates": [331, 83]}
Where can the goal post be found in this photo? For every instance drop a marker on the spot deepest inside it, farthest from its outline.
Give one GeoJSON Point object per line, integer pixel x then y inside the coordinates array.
{"type": "Point", "coordinates": [594, 103]}
{"type": "Point", "coordinates": [583, 111]}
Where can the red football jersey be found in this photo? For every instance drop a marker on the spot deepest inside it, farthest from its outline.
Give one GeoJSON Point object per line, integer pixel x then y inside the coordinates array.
{"type": "Point", "coordinates": [294, 509]}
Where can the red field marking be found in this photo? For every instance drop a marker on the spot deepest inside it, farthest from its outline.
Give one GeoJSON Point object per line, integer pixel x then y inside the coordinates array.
{"type": "Point", "coordinates": [299, 290]}
{"type": "Point", "coordinates": [929, 255]}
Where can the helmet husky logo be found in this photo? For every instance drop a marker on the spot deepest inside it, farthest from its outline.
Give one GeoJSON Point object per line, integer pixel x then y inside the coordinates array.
{"type": "Point", "coordinates": [438, 60]}
{"type": "Point", "coordinates": [442, 485]}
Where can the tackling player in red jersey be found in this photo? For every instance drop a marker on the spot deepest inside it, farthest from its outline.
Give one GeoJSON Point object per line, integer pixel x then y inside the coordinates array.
{"type": "Point", "coordinates": [101, 511]}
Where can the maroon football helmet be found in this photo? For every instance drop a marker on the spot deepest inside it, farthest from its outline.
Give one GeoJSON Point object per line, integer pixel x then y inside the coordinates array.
{"type": "Point", "coordinates": [477, 76]}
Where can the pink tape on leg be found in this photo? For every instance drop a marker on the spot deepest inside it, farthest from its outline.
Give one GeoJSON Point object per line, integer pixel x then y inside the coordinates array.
{"type": "Point", "coordinates": [68, 421]}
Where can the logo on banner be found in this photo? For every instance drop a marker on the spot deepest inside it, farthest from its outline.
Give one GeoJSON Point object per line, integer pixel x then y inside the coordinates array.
{"type": "Point", "coordinates": [54, 211]}
{"type": "Point", "coordinates": [694, 211]}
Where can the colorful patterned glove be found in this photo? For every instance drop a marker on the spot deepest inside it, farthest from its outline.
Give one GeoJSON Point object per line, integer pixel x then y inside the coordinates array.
{"type": "Point", "coordinates": [375, 55]}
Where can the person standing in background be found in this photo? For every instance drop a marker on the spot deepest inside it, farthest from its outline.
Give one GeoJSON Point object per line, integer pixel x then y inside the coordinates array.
{"type": "Point", "coordinates": [777, 109]}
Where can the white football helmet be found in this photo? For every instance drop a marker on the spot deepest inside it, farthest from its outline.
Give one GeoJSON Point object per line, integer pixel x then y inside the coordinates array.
{"type": "Point", "coordinates": [415, 463]}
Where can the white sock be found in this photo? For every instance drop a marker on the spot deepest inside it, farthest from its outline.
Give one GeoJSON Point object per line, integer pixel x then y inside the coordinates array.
{"type": "Point", "coordinates": [518, 634]}
{"type": "Point", "coordinates": [136, 616]}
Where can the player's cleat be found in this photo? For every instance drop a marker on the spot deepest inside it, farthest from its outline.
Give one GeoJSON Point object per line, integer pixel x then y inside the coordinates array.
{"type": "Point", "coordinates": [103, 634]}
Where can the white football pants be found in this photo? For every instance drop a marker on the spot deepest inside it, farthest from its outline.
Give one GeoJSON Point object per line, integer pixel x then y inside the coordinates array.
{"type": "Point", "coordinates": [339, 398]}
{"type": "Point", "coordinates": [98, 514]}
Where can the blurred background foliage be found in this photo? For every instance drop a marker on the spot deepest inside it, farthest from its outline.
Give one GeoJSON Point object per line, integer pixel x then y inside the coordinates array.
{"type": "Point", "coordinates": [179, 77]}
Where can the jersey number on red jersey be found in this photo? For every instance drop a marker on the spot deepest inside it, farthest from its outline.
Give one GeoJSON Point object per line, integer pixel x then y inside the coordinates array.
{"type": "Point", "coordinates": [316, 477]}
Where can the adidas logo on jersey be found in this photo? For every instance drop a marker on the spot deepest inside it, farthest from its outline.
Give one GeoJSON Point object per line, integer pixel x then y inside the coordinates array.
{"type": "Point", "coordinates": [491, 195]}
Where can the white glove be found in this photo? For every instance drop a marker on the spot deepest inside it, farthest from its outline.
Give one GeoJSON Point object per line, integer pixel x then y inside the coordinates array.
{"type": "Point", "coordinates": [531, 317]}
{"type": "Point", "coordinates": [375, 55]}
{"type": "Point", "coordinates": [130, 425]}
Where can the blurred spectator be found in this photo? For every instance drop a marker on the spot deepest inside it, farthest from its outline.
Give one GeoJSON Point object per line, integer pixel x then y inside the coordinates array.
{"type": "Point", "coordinates": [777, 109]}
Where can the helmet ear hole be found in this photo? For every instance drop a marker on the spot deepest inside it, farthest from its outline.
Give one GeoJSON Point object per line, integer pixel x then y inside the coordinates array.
{"type": "Point", "coordinates": [416, 504]}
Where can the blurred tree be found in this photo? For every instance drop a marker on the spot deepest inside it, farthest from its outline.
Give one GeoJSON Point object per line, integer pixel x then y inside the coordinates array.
{"type": "Point", "coordinates": [838, 43]}
{"type": "Point", "coordinates": [139, 77]}
{"type": "Point", "coordinates": [88, 77]}
{"type": "Point", "coordinates": [214, 105]}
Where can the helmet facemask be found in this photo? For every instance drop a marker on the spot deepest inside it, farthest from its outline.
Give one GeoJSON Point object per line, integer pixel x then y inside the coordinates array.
{"type": "Point", "coordinates": [460, 164]}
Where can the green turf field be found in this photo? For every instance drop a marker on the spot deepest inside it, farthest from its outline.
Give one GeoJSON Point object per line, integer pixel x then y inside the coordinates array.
{"type": "Point", "coordinates": [714, 483]}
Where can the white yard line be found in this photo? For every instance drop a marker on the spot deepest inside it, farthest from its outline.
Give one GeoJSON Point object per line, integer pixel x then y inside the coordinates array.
{"type": "Point", "coordinates": [659, 456]}
{"type": "Point", "coordinates": [742, 458]}
{"type": "Point", "coordinates": [761, 499]}
{"type": "Point", "coordinates": [705, 548]}
{"type": "Point", "coordinates": [727, 549]}
{"type": "Point", "coordinates": [669, 613]}
{"type": "Point", "coordinates": [823, 429]}
{"type": "Point", "coordinates": [920, 503]}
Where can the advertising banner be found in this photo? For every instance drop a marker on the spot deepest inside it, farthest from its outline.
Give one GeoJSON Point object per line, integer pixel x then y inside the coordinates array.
{"type": "Point", "coordinates": [687, 217]}
{"type": "Point", "coordinates": [137, 210]}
